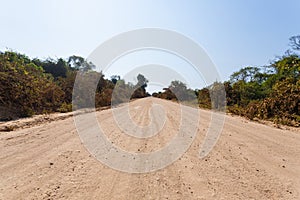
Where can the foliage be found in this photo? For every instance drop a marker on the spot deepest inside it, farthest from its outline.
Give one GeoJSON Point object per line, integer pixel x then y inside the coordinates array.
{"type": "Point", "coordinates": [139, 91]}
{"type": "Point", "coordinates": [275, 97]}
{"type": "Point", "coordinates": [295, 42]}
{"type": "Point", "coordinates": [34, 86]}
{"type": "Point", "coordinates": [37, 86]}
{"type": "Point", "coordinates": [204, 98]}
{"type": "Point", "coordinates": [80, 63]}
{"type": "Point", "coordinates": [25, 88]}
{"type": "Point", "coordinates": [268, 93]}
{"type": "Point", "coordinates": [58, 68]}
{"type": "Point", "coordinates": [177, 91]}
{"type": "Point", "coordinates": [65, 107]}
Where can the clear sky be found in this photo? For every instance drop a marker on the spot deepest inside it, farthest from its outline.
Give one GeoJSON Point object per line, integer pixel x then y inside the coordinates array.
{"type": "Point", "coordinates": [234, 33]}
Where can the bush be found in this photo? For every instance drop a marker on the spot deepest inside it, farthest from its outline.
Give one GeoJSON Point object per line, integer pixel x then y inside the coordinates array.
{"type": "Point", "coordinates": [65, 107]}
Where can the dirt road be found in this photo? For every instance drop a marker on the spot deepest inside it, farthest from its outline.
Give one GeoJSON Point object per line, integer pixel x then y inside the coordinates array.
{"type": "Point", "coordinates": [250, 161]}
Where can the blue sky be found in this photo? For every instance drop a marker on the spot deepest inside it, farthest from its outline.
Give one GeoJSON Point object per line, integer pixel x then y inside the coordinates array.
{"type": "Point", "coordinates": [234, 33]}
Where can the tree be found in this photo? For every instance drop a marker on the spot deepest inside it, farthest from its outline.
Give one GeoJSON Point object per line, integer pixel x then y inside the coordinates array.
{"type": "Point", "coordinates": [217, 96]}
{"type": "Point", "coordinates": [246, 74]}
{"type": "Point", "coordinates": [142, 81]}
{"type": "Point", "coordinates": [178, 91]}
{"type": "Point", "coordinates": [115, 79]}
{"type": "Point", "coordinates": [295, 42]}
{"type": "Point", "coordinates": [80, 63]}
{"type": "Point", "coordinates": [58, 68]}
{"type": "Point", "coordinates": [140, 88]}
{"type": "Point", "coordinates": [204, 98]}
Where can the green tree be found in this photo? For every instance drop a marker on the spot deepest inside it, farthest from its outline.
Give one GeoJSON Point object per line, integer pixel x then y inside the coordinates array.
{"type": "Point", "coordinates": [80, 63]}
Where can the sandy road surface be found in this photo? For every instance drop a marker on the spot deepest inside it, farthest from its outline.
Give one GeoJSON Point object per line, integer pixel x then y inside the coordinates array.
{"type": "Point", "coordinates": [250, 161]}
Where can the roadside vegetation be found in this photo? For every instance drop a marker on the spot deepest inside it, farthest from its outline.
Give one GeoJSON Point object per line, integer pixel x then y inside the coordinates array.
{"type": "Point", "coordinates": [34, 86]}
{"type": "Point", "coordinates": [267, 93]}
